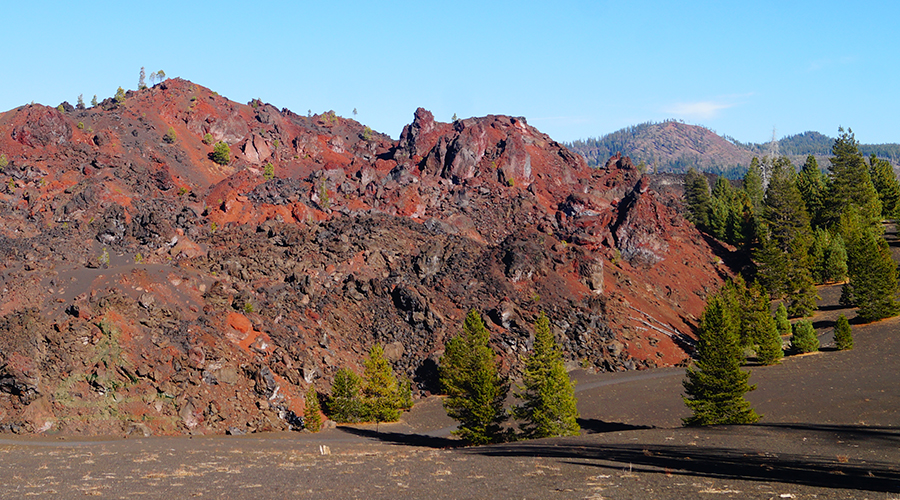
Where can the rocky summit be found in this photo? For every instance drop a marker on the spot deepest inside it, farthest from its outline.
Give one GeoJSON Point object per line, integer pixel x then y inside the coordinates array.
{"type": "Point", "coordinates": [150, 287]}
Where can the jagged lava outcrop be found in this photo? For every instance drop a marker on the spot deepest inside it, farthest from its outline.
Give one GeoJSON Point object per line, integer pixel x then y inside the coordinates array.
{"type": "Point", "coordinates": [146, 288]}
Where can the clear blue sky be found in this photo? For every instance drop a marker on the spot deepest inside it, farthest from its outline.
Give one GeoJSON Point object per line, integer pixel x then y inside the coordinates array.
{"type": "Point", "coordinates": [573, 69]}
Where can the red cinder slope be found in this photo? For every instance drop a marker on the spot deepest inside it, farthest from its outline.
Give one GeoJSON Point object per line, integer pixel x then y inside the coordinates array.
{"type": "Point", "coordinates": [150, 289]}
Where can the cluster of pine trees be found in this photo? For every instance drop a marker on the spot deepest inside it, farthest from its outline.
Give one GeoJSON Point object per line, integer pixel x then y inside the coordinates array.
{"type": "Point", "coordinates": [808, 227]}
{"type": "Point", "coordinates": [476, 391]}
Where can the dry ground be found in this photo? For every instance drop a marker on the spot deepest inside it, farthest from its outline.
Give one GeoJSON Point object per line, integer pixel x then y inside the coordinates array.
{"type": "Point", "coordinates": [831, 429]}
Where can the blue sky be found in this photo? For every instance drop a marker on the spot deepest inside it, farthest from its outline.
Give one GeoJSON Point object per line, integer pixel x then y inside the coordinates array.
{"type": "Point", "coordinates": [573, 69]}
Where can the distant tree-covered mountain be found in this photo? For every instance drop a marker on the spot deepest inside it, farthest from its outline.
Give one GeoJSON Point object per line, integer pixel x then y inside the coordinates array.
{"type": "Point", "coordinates": [672, 146]}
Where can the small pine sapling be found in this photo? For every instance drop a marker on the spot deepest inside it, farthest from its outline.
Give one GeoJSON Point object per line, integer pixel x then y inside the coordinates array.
{"type": "Point", "coordinates": [843, 334]}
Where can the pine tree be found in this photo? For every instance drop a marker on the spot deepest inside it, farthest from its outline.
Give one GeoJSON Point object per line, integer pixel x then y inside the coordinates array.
{"type": "Point", "coordinates": [312, 413]}
{"type": "Point", "coordinates": [850, 183]}
{"type": "Point", "coordinates": [697, 199]}
{"type": "Point", "coordinates": [548, 394]}
{"type": "Point", "coordinates": [843, 335]}
{"type": "Point", "coordinates": [758, 326]}
{"type": "Point", "coordinates": [804, 338]}
{"type": "Point", "coordinates": [754, 185]}
{"type": "Point", "coordinates": [141, 84]}
{"type": "Point", "coordinates": [715, 386]}
{"type": "Point", "coordinates": [382, 394]}
{"type": "Point", "coordinates": [784, 259]}
{"type": "Point", "coordinates": [80, 102]}
{"type": "Point", "coordinates": [781, 320]}
{"type": "Point", "coordinates": [811, 184]}
{"type": "Point", "coordinates": [873, 275]}
{"type": "Point", "coordinates": [473, 384]}
{"type": "Point", "coordinates": [94, 100]}
{"type": "Point", "coordinates": [885, 182]}
{"type": "Point", "coordinates": [344, 404]}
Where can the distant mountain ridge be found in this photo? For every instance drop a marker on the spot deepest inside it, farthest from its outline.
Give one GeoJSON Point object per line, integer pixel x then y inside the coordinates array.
{"type": "Point", "coordinates": [673, 146]}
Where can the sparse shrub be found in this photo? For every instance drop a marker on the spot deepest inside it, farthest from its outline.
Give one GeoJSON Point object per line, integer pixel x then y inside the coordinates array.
{"type": "Point", "coordinates": [324, 201]}
{"type": "Point", "coordinates": [276, 143]}
{"type": "Point", "coordinates": [248, 307]}
{"type": "Point", "coordinates": [269, 172]}
{"type": "Point", "coordinates": [312, 418]}
{"type": "Point", "coordinates": [804, 339]}
{"type": "Point", "coordinates": [80, 125]}
{"type": "Point", "coordinates": [170, 136]}
{"type": "Point", "coordinates": [104, 258]}
{"type": "Point", "coordinates": [843, 335]}
{"type": "Point", "coordinates": [61, 109]}
{"type": "Point", "coordinates": [208, 139]}
{"type": "Point", "coordinates": [3, 162]}
{"type": "Point", "coordinates": [120, 95]}
{"type": "Point", "coordinates": [221, 153]}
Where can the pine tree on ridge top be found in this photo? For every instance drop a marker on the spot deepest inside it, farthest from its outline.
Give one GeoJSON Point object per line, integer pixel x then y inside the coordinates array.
{"type": "Point", "coordinates": [715, 385]}
{"type": "Point", "coordinates": [476, 391]}
{"type": "Point", "coordinates": [548, 394]}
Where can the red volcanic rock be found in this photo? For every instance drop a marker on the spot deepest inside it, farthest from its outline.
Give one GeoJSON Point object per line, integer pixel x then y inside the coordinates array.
{"type": "Point", "coordinates": [140, 266]}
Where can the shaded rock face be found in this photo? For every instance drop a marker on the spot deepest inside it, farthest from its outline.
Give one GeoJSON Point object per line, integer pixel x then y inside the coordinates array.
{"type": "Point", "coordinates": [144, 282]}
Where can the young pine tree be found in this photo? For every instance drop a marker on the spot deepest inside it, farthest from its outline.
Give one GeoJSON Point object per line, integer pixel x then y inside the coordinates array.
{"type": "Point", "coordinates": [548, 394]}
{"type": "Point", "coordinates": [473, 384]}
{"type": "Point", "coordinates": [312, 413]}
{"type": "Point", "coordinates": [843, 335]}
{"type": "Point", "coordinates": [782, 324]}
{"type": "Point", "coordinates": [697, 199]}
{"type": "Point", "coordinates": [885, 182]}
{"type": "Point", "coordinates": [804, 339]}
{"type": "Point", "coordinates": [344, 404]}
{"type": "Point", "coordinates": [715, 385]}
{"type": "Point", "coordinates": [759, 326]}
{"type": "Point", "coordinates": [382, 393]}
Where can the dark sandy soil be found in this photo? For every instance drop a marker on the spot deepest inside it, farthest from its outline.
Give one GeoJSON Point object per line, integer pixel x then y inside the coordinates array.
{"type": "Point", "coordinates": [831, 429]}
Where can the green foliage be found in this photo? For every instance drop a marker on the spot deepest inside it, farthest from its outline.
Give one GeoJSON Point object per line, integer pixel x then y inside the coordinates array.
{"type": "Point", "coordinates": [758, 326]}
{"type": "Point", "coordinates": [828, 257]}
{"type": "Point", "coordinates": [454, 118]}
{"type": "Point", "coordinates": [61, 109]}
{"type": "Point", "coordinates": [80, 102]}
{"type": "Point", "coordinates": [367, 134]}
{"type": "Point", "coordinates": [312, 412]}
{"type": "Point", "coordinates": [782, 324]}
{"type": "Point", "coordinates": [80, 125]}
{"type": "Point", "coordinates": [873, 273]}
{"type": "Point", "coordinates": [208, 138]}
{"type": "Point", "coordinates": [221, 153]}
{"type": "Point", "coordinates": [783, 255]}
{"type": "Point", "coordinates": [104, 258]}
{"type": "Point", "coordinates": [885, 182]}
{"type": "Point", "coordinates": [324, 201]}
{"type": "Point", "coordinates": [804, 339]}
{"type": "Point", "coordinates": [120, 95]}
{"type": "Point", "coordinates": [170, 136]}
{"type": "Point", "coordinates": [383, 396]}
{"type": "Point", "coordinates": [141, 84]}
{"type": "Point", "coordinates": [548, 394]}
{"type": "Point", "coordinates": [344, 404]}
{"type": "Point", "coordinates": [269, 172]}
{"type": "Point", "coordinates": [697, 199]}
{"type": "Point", "coordinates": [475, 389]}
{"type": "Point", "coordinates": [715, 384]}
{"type": "Point", "coordinates": [843, 335]}
{"type": "Point", "coordinates": [851, 184]}
{"type": "Point", "coordinates": [4, 162]}
{"type": "Point", "coordinates": [94, 100]}
{"type": "Point", "coordinates": [811, 183]}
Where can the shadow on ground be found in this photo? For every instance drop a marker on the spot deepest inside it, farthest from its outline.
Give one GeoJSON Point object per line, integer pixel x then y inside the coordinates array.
{"type": "Point", "coordinates": [403, 438]}
{"type": "Point", "coordinates": [731, 463]}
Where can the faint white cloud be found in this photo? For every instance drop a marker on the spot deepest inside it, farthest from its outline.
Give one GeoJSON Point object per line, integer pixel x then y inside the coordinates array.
{"type": "Point", "coordinates": [701, 109]}
{"type": "Point", "coordinates": [704, 109]}
{"type": "Point", "coordinates": [821, 64]}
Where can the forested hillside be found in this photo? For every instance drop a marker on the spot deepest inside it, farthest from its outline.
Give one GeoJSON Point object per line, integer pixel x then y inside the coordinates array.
{"type": "Point", "coordinates": [672, 146]}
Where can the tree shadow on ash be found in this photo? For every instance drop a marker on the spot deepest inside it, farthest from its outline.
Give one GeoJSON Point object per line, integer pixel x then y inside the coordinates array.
{"type": "Point", "coordinates": [403, 438]}
{"type": "Point", "coordinates": [730, 463]}
{"type": "Point", "coordinates": [595, 426]}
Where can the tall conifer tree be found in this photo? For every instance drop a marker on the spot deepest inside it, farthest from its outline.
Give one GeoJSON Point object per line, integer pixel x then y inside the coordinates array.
{"type": "Point", "coordinates": [475, 389]}
{"type": "Point", "coordinates": [548, 394]}
{"type": "Point", "coordinates": [715, 385]}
